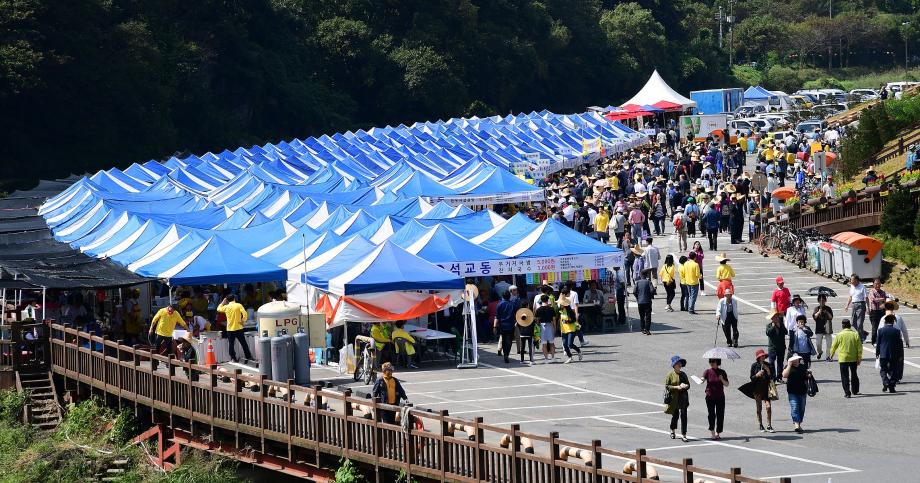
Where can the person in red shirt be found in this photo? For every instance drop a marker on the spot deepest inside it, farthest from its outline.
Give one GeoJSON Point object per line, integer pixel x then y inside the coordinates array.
{"type": "Point", "coordinates": [781, 299]}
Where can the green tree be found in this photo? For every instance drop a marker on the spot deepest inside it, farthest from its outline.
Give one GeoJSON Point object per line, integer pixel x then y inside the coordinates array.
{"type": "Point", "coordinates": [900, 215]}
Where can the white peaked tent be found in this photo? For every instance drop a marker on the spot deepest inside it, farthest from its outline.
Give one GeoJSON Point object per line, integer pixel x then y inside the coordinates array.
{"type": "Point", "coordinates": [657, 90]}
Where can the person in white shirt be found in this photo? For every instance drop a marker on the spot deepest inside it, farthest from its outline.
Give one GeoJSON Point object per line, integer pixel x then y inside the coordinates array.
{"type": "Point", "coordinates": [652, 257]}
{"type": "Point", "coordinates": [796, 309]}
{"type": "Point", "coordinates": [892, 306]}
{"type": "Point", "coordinates": [857, 299]}
{"type": "Point", "coordinates": [829, 188]}
{"type": "Point", "coordinates": [728, 315]}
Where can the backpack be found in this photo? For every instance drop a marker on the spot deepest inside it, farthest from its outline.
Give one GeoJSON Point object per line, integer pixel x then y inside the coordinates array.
{"type": "Point", "coordinates": [679, 222]}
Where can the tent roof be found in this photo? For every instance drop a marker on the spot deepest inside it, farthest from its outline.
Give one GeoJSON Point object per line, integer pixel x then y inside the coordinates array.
{"type": "Point", "coordinates": [657, 90]}
{"type": "Point", "coordinates": [217, 261]}
{"type": "Point", "coordinates": [439, 244]}
{"type": "Point", "coordinates": [390, 268]}
{"type": "Point", "coordinates": [757, 93]}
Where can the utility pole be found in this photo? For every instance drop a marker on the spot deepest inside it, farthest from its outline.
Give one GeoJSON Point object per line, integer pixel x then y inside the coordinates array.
{"type": "Point", "coordinates": [731, 32]}
{"type": "Point", "coordinates": [830, 51]}
{"type": "Point", "coordinates": [906, 31]}
{"type": "Point", "coordinates": [720, 26]}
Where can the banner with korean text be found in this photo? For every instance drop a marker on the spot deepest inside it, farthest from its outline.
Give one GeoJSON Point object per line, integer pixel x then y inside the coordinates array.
{"type": "Point", "coordinates": [570, 267]}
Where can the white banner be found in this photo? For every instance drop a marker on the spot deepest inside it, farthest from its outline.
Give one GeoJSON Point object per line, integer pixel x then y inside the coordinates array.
{"type": "Point", "coordinates": [518, 266]}
{"type": "Point", "coordinates": [491, 199]}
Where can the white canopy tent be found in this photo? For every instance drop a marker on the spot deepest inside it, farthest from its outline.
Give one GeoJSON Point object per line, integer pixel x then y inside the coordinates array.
{"type": "Point", "coordinates": [657, 90]}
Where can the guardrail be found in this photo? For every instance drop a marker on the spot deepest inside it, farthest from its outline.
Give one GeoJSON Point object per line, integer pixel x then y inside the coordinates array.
{"type": "Point", "coordinates": [314, 424]}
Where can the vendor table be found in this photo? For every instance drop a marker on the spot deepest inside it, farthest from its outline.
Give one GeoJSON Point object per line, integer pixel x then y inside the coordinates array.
{"type": "Point", "coordinates": [426, 335]}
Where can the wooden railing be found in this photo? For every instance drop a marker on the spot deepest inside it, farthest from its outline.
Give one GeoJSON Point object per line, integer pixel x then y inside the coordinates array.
{"type": "Point", "coordinates": [289, 421]}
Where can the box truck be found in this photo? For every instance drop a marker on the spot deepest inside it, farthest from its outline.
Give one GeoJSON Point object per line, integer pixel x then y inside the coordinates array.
{"type": "Point", "coordinates": [715, 101]}
{"type": "Point", "coordinates": [701, 126]}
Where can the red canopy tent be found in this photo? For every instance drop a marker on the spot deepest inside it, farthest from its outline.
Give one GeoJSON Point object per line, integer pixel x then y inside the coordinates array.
{"type": "Point", "coordinates": [668, 106]}
{"type": "Point", "coordinates": [620, 115]}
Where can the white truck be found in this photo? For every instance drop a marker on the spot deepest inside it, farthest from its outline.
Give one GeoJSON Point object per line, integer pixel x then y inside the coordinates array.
{"type": "Point", "coordinates": [703, 125]}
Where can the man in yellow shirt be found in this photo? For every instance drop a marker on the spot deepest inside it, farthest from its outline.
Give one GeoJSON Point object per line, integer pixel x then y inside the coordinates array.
{"type": "Point", "coordinates": [164, 323]}
{"type": "Point", "coordinates": [692, 275]}
{"type": "Point", "coordinates": [743, 142]}
{"type": "Point", "coordinates": [601, 222]}
{"type": "Point", "coordinates": [236, 316]}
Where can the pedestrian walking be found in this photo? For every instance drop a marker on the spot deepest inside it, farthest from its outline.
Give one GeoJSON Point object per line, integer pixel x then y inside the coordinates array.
{"type": "Point", "coordinates": [875, 304]}
{"type": "Point", "coordinates": [668, 276]}
{"type": "Point", "coordinates": [163, 324]}
{"type": "Point", "coordinates": [680, 222]}
{"type": "Point", "coordinates": [681, 280]}
{"type": "Point", "coordinates": [890, 354]}
{"type": "Point", "coordinates": [796, 375]}
{"type": "Point", "coordinates": [569, 325]}
{"type": "Point", "coordinates": [638, 263]}
{"type": "Point", "coordinates": [848, 348]}
{"type": "Point", "coordinates": [891, 308]}
{"type": "Point", "coordinates": [857, 299]}
{"type": "Point", "coordinates": [504, 323]}
{"type": "Point", "coordinates": [619, 289]}
{"type": "Point", "coordinates": [823, 316]}
{"type": "Point", "coordinates": [763, 389]}
{"type": "Point", "coordinates": [677, 397]}
{"type": "Point", "coordinates": [644, 292]}
{"type": "Point", "coordinates": [546, 317]}
{"type": "Point", "coordinates": [800, 340]}
{"type": "Point", "coordinates": [716, 382]}
{"type": "Point", "coordinates": [776, 338]}
{"type": "Point", "coordinates": [793, 312]}
{"type": "Point", "coordinates": [698, 249]}
{"type": "Point", "coordinates": [388, 390]}
{"type": "Point", "coordinates": [727, 314]}
{"type": "Point", "coordinates": [711, 219]}
{"type": "Point", "coordinates": [781, 298]}
{"type": "Point", "coordinates": [693, 277]}
{"type": "Point", "coordinates": [652, 257]}
{"type": "Point", "coordinates": [236, 315]}
{"type": "Point", "coordinates": [724, 271]}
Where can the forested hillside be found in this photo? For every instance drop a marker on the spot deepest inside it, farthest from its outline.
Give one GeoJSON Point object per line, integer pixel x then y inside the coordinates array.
{"type": "Point", "coordinates": [86, 84]}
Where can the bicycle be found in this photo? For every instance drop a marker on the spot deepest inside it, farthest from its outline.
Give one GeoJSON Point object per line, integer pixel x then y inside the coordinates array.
{"type": "Point", "coordinates": [365, 359]}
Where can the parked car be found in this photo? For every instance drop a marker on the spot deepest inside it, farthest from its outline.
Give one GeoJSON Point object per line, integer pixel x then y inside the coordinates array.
{"type": "Point", "coordinates": [836, 95]}
{"type": "Point", "coordinates": [749, 110]}
{"type": "Point", "coordinates": [810, 125]}
{"type": "Point", "coordinates": [748, 125]}
{"type": "Point", "coordinates": [863, 95]}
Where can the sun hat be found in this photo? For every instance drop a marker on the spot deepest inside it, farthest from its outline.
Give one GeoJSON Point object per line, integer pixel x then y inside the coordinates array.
{"type": "Point", "coordinates": [564, 301]}
{"type": "Point", "coordinates": [797, 297]}
{"type": "Point", "coordinates": [795, 357]}
{"type": "Point", "coordinates": [676, 359]}
{"type": "Point", "coordinates": [779, 279]}
{"type": "Point", "coordinates": [773, 313]}
{"type": "Point", "coordinates": [636, 250]}
{"type": "Point", "coordinates": [722, 257]}
{"type": "Point", "coordinates": [760, 353]}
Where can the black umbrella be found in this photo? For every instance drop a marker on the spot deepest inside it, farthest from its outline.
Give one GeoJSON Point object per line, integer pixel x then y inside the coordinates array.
{"type": "Point", "coordinates": [822, 290]}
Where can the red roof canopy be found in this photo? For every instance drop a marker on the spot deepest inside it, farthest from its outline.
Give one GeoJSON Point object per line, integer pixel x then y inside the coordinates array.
{"type": "Point", "coordinates": [668, 106]}
{"type": "Point", "coordinates": [620, 115]}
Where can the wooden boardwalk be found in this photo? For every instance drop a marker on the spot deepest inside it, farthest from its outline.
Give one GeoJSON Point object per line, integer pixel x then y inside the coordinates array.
{"type": "Point", "coordinates": [306, 430]}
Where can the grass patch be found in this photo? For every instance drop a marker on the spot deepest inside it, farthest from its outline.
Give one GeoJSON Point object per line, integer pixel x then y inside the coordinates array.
{"type": "Point", "coordinates": [84, 446]}
{"type": "Point", "coordinates": [904, 251]}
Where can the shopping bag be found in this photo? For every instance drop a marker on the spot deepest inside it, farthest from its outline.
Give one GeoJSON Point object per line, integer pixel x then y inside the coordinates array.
{"type": "Point", "coordinates": [812, 385]}
{"type": "Point", "coordinates": [771, 391]}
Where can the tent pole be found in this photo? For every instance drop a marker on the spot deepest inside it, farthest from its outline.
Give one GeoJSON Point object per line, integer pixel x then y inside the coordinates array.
{"type": "Point", "coordinates": [3, 307]}
{"type": "Point", "coordinates": [44, 310]}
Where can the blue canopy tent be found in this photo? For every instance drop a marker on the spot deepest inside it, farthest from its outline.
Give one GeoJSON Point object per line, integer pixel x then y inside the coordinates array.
{"type": "Point", "coordinates": [388, 268]}
{"type": "Point", "coordinates": [215, 261]}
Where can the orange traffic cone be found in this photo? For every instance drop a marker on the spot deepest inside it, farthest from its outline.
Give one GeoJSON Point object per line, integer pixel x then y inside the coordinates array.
{"type": "Point", "coordinates": [210, 359]}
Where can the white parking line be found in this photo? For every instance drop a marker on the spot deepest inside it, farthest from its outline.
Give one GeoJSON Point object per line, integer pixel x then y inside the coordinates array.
{"type": "Point", "coordinates": [504, 398]}
{"type": "Point", "coordinates": [841, 469]}
{"type": "Point", "coordinates": [455, 380]}
{"type": "Point", "coordinates": [468, 389]}
{"type": "Point", "coordinates": [909, 363]}
{"type": "Point", "coordinates": [560, 405]}
{"type": "Point", "coordinates": [681, 446]}
{"type": "Point", "coordinates": [571, 418]}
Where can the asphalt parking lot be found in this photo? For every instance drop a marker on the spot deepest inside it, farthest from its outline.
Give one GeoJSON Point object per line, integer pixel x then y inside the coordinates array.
{"type": "Point", "coordinates": [614, 394]}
